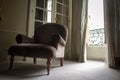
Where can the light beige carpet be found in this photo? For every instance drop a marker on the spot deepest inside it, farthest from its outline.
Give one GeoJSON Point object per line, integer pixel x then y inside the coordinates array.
{"type": "Point", "coordinates": [91, 70]}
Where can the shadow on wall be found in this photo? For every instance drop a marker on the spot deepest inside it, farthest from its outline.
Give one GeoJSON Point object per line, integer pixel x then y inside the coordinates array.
{"type": "Point", "coordinates": [6, 39]}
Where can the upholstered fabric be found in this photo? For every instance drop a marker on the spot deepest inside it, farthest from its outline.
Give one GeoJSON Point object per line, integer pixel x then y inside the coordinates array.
{"type": "Point", "coordinates": [49, 39]}
{"type": "Point", "coordinates": [24, 39]}
{"type": "Point", "coordinates": [32, 50]}
{"type": "Point", "coordinates": [43, 34]}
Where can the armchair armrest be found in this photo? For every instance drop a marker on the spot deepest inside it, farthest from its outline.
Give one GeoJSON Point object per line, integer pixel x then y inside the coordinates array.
{"type": "Point", "coordinates": [57, 39]}
{"type": "Point", "coordinates": [23, 39]}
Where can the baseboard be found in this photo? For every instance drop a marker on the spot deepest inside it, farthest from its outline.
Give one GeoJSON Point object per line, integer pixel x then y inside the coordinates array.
{"type": "Point", "coordinates": [96, 59]}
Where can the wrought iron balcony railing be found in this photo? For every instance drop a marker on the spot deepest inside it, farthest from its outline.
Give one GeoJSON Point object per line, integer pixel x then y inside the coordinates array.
{"type": "Point", "coordinates": [97, 37]}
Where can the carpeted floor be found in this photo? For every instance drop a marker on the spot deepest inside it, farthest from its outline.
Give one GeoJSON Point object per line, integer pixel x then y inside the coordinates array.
{"type": "Point", "coordinates": [91, 70]}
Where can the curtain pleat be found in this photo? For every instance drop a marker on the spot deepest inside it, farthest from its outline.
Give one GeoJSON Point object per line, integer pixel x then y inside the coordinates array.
{"type": "Point", "coordinates": [84, 15]}
{"type": "Point", "coordinates": [79, 29]}
{"type": "Point", "coordinates": [112, 31]}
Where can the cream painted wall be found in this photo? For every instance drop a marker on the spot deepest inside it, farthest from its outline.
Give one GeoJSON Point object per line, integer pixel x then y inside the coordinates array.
{"type": "Point", "coordinates": [14, 21]}
{"type": "Point", "coordinates": [14, 16]}
{"type": "Point", "coordinates": [96, 52]}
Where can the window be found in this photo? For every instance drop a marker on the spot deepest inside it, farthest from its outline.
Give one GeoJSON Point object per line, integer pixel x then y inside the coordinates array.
{"type": "Point", "coordinates": [96, 22]}
{"type": "Point", "coordinates": [62, 13]}
{"type": "Point", "coordinates": [43, 12]}
{"type": "Point", "coordinates": [47, 11]}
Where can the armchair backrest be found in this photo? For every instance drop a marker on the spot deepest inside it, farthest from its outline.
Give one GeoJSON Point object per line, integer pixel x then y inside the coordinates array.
{"type": "Point", "coordinates": [44, 32]}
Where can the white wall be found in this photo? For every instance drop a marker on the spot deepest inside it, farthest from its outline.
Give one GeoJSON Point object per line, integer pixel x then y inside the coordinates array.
{"type": "Point", "coordinates": [96, 52]}
{"type": "Point", "coordinates": [14, 16]}
{"type": "Point", "coordinates": [14, 21]}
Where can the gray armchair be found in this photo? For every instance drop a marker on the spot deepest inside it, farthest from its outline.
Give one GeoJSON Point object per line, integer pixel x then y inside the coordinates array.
{"type": "Point", "coordinates": [49, 42]}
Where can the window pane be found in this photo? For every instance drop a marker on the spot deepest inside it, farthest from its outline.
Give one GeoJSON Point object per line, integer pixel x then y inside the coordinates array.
{"type": "Point", "coordinates": [37, 24]}
{"type": "Point", "coordinates": [39, 14]}
{"type": "Point", "coordinates": [59, 19]}
{"type": "Point", "coordinates": [49, 17]}
{"type": "Point", "coordinates": [48, 5]}
{"type": "Point", "coordinates": [65, 11]}
{"type": "Point", "coordinates": [66, 2]}
{"type": "Point", "coordinates": [40, 3]}
{"type": "Point", "coordinates": [60, 1]}
{"type": "Point", "coordinates": [45, 16]}
{"type": "Point", "coordinates": [59, 8]}
{"type": "Point", "coordinates": [65, 21]}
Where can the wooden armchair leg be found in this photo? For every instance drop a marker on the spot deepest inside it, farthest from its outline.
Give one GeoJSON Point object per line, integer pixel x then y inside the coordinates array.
{"type": "Point", "coordinates": [11, 62]}
{"type": "Point", "coordinates": [61, 61]}
{"type": "Point", "coordinates": [48, 65]}
{"type": "Point", "coordinates": [34, 59]}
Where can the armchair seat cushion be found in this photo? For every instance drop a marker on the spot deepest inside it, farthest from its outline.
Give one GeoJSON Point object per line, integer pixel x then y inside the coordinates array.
{"type": "Point", "coordinates": [39, 50]}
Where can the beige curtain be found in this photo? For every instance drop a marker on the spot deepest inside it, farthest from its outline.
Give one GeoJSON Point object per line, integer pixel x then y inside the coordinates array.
{"type": "Point", "coordinates": [79, 18]}
{"type": "Point", "coordinates": [112, 29]}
